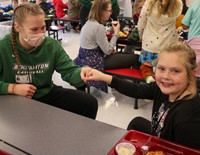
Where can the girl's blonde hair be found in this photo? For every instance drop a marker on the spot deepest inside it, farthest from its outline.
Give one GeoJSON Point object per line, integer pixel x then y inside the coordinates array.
{"type": "Point", "coordinates": [97, 9]}
{"type": "Point", "coordinates": [21, 12]}
{"type": "Point", "coordinates": [165, 7]}
{"type": "Point", "coordinates": [188, 56]}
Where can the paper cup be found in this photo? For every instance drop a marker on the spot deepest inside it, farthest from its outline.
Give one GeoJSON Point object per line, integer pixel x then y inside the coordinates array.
{"type": "Point", "coordinates": [125, 148]}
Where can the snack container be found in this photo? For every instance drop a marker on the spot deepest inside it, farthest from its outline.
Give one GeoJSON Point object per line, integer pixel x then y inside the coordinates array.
{"type": "Point", "coordinates": [125, 148]}
{"type": "Point", "coordinates": [145, 143]}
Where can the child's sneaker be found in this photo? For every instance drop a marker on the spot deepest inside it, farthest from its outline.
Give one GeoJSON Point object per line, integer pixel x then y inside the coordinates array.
{"type": "Point", "coordinates": [149, 79]}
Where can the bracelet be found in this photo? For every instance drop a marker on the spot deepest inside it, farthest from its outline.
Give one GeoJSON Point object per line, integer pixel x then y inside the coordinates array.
{"type": "Point", "coordinates": [13, 88]}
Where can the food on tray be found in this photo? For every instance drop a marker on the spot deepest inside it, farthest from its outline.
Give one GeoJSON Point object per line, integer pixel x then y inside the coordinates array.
{"type": "Point", "coordinates": [155, 153]}
{"type": "Point", "coordinates": [126, 32]}
{"type": "Point", "coordinates": [125, 148]}
{"type": "Point", "coordinates": [121, 34]}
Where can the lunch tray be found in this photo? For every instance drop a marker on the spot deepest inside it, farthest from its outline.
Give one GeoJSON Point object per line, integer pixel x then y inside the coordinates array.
{"type": "Point", "coordinates": [111, 34]}
{"type": "Point", "coordinates": [141, 140]}
{"type": "Point", "coordinates": [4, 153]}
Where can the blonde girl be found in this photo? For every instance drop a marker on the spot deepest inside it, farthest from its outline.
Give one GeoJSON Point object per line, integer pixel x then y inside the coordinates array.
{"type": "Point", "coordinates": [176, 106]}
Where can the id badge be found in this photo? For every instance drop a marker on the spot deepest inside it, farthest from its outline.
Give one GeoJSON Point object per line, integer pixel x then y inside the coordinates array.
{"type": "Point", "coordinates": [23, 78]}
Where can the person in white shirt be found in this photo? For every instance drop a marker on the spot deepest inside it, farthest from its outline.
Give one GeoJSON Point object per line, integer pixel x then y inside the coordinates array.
{"type": "Point", "coordinates": [156, 28]}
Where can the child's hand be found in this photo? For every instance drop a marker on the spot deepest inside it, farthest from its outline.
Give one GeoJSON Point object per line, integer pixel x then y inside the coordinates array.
{"type": "Point", "coordinates": [84, 72]}
{"type": "Point", "coordinates": [98, 76]}
{"type": "Point", "coordinates": [26, 90]}
{"type": "Point", "coordinates": [114, 51]}
{"type": "Point", "coordinates": [94, 74]}
{"type": "Point", "coordinates": [115, 26]}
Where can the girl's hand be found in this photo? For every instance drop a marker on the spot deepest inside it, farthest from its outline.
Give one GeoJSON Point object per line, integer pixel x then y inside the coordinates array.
{"type": "Point", "coordinates": [114, 51]}
{"type": "Point", "coordinates": [26, 90]}
{"type": "Point", "coordinates": [84, 72]}
{"type": "Point", "coordinates": [98, 76]}
{"type": "Point", "coordinates": [116, 27]}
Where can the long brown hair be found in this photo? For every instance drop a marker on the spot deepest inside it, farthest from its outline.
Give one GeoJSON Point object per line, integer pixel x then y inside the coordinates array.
{"type": "Point", "coordinates": [97, 9]}
{"type": "Point", "coordinates": [21, 12]}
{"type": "Point", "coordinates": [166, 7]}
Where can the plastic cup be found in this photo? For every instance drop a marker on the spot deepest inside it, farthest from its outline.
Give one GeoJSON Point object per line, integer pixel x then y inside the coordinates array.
{"type": "Point", "coordinates": [125, 148]}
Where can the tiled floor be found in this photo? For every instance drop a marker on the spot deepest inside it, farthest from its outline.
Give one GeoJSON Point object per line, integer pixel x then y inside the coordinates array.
{"type": "Point", "coordinates": [117, 113]}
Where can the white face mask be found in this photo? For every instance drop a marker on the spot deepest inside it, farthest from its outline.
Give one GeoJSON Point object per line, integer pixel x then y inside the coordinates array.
{"type": "Point", "coordinates": [35, 39]}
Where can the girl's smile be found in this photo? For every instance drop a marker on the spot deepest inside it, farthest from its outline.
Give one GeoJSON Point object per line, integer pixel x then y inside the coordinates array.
{"type": "Point", "coordinates": [171, 75]}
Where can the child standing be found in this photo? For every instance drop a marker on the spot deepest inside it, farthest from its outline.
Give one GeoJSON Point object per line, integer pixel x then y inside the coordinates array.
{"type": "Point", "coordinates": [73, 13]}
{"type": "Point", "coordinates": [156, 27]}
{"type": "Point", "coordinates": [59, 7]}
{"type": "Point", "coordinates": [176, 106]}
{"type": "Point", "coordinates": [137, 7]}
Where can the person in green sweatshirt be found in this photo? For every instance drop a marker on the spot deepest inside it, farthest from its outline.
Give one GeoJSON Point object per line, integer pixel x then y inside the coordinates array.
{"type": "Point", "coordinates": [86, 6]}
{"type": "Point", "coordinates": [28, 60]}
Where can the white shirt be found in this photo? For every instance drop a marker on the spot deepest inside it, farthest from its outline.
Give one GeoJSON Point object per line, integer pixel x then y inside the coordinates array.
{"type": "Point", "coordinates": [156, 32]}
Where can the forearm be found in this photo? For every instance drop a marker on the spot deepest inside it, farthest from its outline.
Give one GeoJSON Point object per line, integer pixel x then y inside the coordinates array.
{"type": "Point", "coordinates": [106, 78]}
{"type": "Point", "coordinates": [7, 88]}
{"type": "Point", "coordinates": [106, 46]}
{"type": "Point", "coordinates": [132, 89]}
{"type": "Point", "coordinates": [11, 88]}
{"type": "Point", "coordinates": [113, 42]}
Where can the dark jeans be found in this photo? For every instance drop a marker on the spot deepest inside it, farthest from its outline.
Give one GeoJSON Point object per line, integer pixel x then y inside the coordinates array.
{"type": "Point", "coordinates": [72, 100]}
{"type": "Point", "coordinates": [140, 124]}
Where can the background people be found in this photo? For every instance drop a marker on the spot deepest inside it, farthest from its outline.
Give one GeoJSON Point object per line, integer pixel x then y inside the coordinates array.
{"type": "Point", "coordinates": [137, 7]}
{"type": "Point", "coordinates": [73, 13]}
{"type": "Point", "coordinates": [156, 27]}
{"type": "Point", "coordinates": [59, 7]}
{"type": "Point", "coordinates": [95, 49]}
{"type": "Point", "coordinates": [86, 6]}
{"type": "Point", "coordinates": [191, 22]}
{"type": "Point", "coordinates": [8, 10]}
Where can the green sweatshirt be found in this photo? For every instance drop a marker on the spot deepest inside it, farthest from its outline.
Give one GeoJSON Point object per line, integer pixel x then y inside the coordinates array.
{"type": "Point", "coordinates": [88, 4]}
{"type": "Point", "coordinates": [37, 66]}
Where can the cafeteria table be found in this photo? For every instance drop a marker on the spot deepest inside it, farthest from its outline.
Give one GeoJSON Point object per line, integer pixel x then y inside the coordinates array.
{"type": "Point", "coordinates": [124, 41]}
{"type": "Point", "coordinates": [32, 127]}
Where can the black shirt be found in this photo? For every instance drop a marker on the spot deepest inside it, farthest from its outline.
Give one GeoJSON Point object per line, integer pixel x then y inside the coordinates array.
{"type": "Point", "coordinates": [182, 122]}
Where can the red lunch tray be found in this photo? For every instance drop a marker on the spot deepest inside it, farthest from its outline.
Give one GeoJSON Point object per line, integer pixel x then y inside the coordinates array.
{"type": "Point", "coordinates": [139, 139]}
{"type": "Point", "coordinates": [4, 153]}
